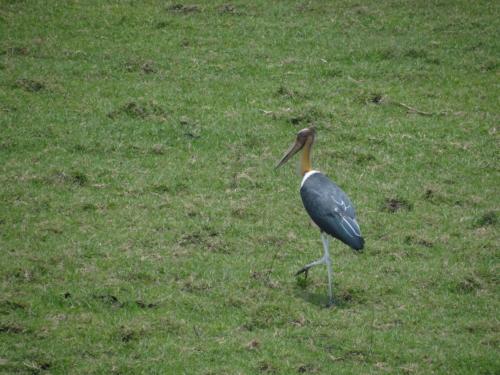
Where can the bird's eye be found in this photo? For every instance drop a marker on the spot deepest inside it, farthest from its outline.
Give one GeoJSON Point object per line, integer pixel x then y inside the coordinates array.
{"type": "Point", "coordinates": [302, 133]}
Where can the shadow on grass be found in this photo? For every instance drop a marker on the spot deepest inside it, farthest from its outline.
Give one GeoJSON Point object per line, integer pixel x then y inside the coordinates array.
{"type": "Point", "coordinates": [319, 297]}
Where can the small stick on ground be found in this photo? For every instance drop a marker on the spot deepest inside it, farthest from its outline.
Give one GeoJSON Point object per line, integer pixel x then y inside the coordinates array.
{"type": "Point", "coordinates": [410, 109]}
{"type": "Point", "coordinates": [270, 270]}
{"type": "Point", "coordinates": [197, 332]}
{"type": "Point", "coordinates": [414, 110]}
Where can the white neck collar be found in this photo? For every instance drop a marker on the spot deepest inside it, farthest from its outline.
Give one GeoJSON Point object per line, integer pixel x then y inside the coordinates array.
{"type": "Point", "coordinates": [307, 175]}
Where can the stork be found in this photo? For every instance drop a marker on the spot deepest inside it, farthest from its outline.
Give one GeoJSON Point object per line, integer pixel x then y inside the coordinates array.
{"type": "Point", "coordinates": [327, 205]}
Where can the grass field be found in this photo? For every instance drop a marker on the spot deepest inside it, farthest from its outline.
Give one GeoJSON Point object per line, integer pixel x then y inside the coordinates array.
{"type": "Point", "coordinates": [140, 211]}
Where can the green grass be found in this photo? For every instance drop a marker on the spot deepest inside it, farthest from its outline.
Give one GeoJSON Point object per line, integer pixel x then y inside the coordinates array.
{"type": "Point", "coordinates": [140, 211]}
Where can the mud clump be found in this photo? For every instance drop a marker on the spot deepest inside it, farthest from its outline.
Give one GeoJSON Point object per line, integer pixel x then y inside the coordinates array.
{"type": "Point", "coordinates": [29, 85]}
{"type": "Point", "coordinates": [109, 299]}
{"type": "Point", "coordinates": [393, 205]}
{"type": "Point", "coordinates": [228, 9]}
{"type": "Point", "coordinates": [376, 98]}
{"type": "Point", "coordinates": [146, 66]}
{"type": "Point", "coordinates": [141, 110]}
{"type": "Point", "coordinates": [412, 240]}
{"type": "Point", "coordinates": [469, 284]}
{"type": "Point", "coordinates": [146, 305]}
{"type": "Point", "coordinates": [76, 178]}
{"type": "Point", "coordinates": [487, 219]}
{"type": "Point", "coordinates": [17, 51]}
{"type": "Point", "coordinates": [11, 328]}
{"type": "Point", "coordinates": [183, 9]}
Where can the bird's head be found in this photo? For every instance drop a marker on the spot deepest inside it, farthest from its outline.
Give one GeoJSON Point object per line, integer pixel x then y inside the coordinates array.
{"type": "Point", "coordinates": [305, 136]}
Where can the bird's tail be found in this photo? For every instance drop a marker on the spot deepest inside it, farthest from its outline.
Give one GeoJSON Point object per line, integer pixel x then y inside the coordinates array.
{"type": "Point", "coordinates": [358, 244]}
{"type": "Point", "coordinates": [351, 233]}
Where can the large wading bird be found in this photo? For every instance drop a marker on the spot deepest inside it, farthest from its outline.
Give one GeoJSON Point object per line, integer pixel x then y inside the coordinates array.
{"type": "Point", "coordinates": [327, 205]}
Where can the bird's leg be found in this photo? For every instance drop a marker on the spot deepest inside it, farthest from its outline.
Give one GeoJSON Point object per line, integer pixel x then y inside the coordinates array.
{"type": "Point", "coordinates": [305, 269]}
{"type": "Point", "coordinates": [326, 259]}
{"type": "Point", "coordinates": [323, 260]}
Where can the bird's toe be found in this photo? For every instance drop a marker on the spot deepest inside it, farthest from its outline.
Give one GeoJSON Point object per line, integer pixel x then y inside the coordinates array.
{"type": "Point", "coordinates": [304, 270]}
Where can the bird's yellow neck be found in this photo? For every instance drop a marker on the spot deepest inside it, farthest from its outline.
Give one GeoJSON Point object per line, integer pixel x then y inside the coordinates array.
{"type": "Point", "coordinates": [305, 161]}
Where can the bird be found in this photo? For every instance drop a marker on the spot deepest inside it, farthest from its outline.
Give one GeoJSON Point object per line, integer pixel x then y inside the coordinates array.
{"type": "Point", "coordinates": [327, 204]}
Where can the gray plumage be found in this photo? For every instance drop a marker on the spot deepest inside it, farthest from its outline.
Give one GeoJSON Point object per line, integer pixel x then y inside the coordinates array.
{"type": "Point", "coordinates": [331, 209]}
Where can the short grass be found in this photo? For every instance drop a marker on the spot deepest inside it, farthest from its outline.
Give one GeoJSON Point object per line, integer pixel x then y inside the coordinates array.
{"type": "Point", "coordinates": [140, 212]}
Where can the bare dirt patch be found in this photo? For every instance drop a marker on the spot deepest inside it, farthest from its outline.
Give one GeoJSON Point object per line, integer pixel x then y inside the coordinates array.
{"type": "Point", "coordinates": [183, 9]}
{"type": "Point", "coordinates": [393, 205]}
{"type": "Point", "coordinates": [29, 85]}
{"type": "Point", "coordinates": [139, 109]}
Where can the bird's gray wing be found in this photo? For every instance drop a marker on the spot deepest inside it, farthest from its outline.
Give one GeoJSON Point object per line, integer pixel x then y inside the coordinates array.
{"type": "Point", "coordinates": [331, 209]}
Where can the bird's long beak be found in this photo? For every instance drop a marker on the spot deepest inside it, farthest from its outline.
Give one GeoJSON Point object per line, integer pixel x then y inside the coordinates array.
{"type": "Point", "coordinates": [296, 147]}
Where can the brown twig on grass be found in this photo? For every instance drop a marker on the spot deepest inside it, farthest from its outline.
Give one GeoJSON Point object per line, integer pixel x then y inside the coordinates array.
{"type": "Point", "coordinates": [417, 111]}
{"type": "Point", "coordinates": [410, 109]}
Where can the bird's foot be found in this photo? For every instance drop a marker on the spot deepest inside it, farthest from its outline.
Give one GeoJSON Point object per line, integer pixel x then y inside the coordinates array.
{"type": "Point", "coordinates": [331, 303]}
{"type": "Point", "coordinates": [304, 270]}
